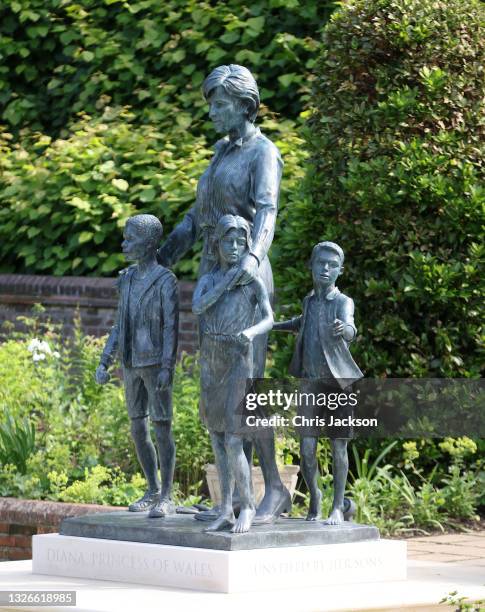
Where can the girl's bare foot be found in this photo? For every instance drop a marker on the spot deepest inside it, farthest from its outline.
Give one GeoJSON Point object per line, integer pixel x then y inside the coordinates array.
{"type": "Point", "coordinates": [244, 520]}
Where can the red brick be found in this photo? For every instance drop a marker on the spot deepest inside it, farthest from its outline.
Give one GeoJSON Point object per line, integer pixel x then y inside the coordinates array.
{"type": "Point", "coordinates": [23, 541]}
{"type": "Point", "coordinates": [47, 529]}
{"type": "Point", "coordinates": [4, 528]}
{"type": "Point", "coordinates": [28, 530]}
{"type": "Point", "coordinates": [16, 554]}
{"type": "Point", "coordinates": [95, 299]}
{"type": "Point", "coordinates": [7, 540]}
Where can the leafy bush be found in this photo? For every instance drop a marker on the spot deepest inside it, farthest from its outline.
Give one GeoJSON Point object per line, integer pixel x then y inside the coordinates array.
{"type": "Point", "coordinates": [65, 201]}
{"type": "Point", "coordinates": [17, 441]}
{"type": "Point", "coordinates": [85, 187]}
{"type": "Point", "coordinates": [80, 425]}
{"type": "Point", "coordinates": [61, 58]}
{"type": "Point", "coordinates": [82, 451]}
{"type": "Point", "coordinates": [395, 178]}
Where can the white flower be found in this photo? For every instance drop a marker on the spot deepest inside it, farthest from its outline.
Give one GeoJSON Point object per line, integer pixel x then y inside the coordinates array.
{"type": "Point", "coordinates": [38, 357]}
{"type": "Point", "coordinates": [56, 354]}
{"type": "Point", "coordinates": [44, 346]}
{"type": "Point", "coordinates": [34, 344]}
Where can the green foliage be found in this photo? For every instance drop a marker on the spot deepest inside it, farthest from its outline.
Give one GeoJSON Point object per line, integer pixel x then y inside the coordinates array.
{"type": "Point", "coordinates": [62, 436]}
{"type": "Point", "coordinates": [463, 604]}
{"type": "Point", "coordinates": [84, 187]}
{"type": "Point", "coordinates": [61, 58]}
{"type": "Point", "coordinates": [91, 133]}
{"type": "Point", "coordinates": [395, 177]}
{"type": "Point", "coordinates": [100, 485]}
{"type": "Point", "coordinates": [391, 492]}
{"type": "Point", "coordinates": [193, 447]}
{"type": "Point", "coordinates": [17, 441]}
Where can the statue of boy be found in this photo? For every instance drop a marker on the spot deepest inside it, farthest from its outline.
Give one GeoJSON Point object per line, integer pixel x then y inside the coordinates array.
{"type": "Point", "coordinates": [145, 336]}
{"type": "Point", "coordinates": [325, 330]}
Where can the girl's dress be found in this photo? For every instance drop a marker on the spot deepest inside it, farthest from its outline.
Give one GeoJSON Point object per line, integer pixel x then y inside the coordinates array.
{"type": "Point", "coordinates": [226, 364]}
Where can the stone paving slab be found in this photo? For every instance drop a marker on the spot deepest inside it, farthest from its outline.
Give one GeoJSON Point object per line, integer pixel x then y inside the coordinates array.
{"type": "Point", "coordinates": [465, 549]}
{"type": "Point", "coordinates": [427, 584]}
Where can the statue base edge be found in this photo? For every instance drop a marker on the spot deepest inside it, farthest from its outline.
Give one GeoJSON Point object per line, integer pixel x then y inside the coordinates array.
{"type": "Point", "coordinates": [218, 570]}
{"type": "Point", "coordinates": [183, 530]}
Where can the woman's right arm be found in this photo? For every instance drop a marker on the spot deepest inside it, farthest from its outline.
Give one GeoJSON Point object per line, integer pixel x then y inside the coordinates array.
{"type": "Point", "coordinates": [205, 296]}
{"type": "Point", "coordinates": [179, 241]}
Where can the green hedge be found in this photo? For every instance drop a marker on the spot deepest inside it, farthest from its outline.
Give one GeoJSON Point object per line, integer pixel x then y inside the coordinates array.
{"type": "Point", "coordinates": [396, 143]}
{"type": "Point", "coordinates": [64, 201]}
{"type": "Point", "coordinates": [102, 115]}
{"type": "Point", "coordinates": [60, 58]}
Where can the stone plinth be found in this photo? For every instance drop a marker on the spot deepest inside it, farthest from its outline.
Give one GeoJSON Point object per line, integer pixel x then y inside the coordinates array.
{"type": "Point", "coordinates": [219, 570]}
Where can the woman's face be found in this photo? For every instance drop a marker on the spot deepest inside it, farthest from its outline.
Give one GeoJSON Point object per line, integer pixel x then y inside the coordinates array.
{"type": "Point", "coordinates": [232, 246]}
{"type": "Point", "coordinates": [226, 112]}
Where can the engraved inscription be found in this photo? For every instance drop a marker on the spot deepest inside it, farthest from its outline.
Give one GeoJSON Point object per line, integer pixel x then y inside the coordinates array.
{"type": "Point", "coordinates": [129, 561]}
{"type": "Point", "coordinates": [316, 566]}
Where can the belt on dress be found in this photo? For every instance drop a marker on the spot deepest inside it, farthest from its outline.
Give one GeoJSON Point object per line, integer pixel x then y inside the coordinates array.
{"type": "Point", "coordinates": [224, 337]}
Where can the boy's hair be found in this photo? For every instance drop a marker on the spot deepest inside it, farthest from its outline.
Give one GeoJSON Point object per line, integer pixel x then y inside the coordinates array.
{"type": "Point", "coordinates": [229, 222]}
{"type": "Point", "coordinates": [150, 226]}
{"type": "Point", "coordinates": [328, 246]}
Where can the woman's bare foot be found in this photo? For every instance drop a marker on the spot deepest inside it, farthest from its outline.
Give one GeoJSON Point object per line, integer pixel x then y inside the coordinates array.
{"type": "Point", "coordinates": [336, 517]}
{"type": "Point", "coordinates": [315, 508]}
{"type": "Point", "coordinates": [244, 520]}
{"type": "Point", "coordinates": [274, 502]}
{"type": "Point", "coordinates": [224, 521]}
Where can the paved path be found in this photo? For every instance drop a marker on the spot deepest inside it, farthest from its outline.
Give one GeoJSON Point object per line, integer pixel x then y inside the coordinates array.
{"type": "Point", "coordinates": [465, 549]}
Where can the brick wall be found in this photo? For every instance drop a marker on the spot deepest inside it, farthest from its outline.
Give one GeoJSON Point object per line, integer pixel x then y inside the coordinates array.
{"type": "Point", "coordinates": [93, 298]}
{"type": "Point", "coordinates": [20, 519]}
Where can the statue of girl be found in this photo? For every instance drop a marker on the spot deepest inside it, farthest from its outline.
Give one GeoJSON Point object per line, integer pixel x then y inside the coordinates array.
{"type": "Point", "coordinates": [231, 316]}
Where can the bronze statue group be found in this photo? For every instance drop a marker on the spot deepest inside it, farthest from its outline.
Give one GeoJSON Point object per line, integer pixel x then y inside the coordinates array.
{"type": "Point", "coordinates": [234, 215]}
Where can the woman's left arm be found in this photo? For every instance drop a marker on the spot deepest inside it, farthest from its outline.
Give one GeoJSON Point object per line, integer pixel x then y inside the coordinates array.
{"type": "Point", "coordinates": [266, 322]}
{"type": "Point", "coordinates": [265, 177]}
{"type": "Point", "coordinates": [267, 170]}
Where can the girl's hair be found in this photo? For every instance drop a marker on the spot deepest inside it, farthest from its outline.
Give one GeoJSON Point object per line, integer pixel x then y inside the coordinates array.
{"type": "Point", "coordinates": [237, 82]}
{"type": "Point", "coordinates": [229, 222]}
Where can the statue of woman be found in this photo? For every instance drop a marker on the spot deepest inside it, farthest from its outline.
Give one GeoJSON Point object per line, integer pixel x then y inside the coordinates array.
{"type": "Point", "coordinates": [243, 179]}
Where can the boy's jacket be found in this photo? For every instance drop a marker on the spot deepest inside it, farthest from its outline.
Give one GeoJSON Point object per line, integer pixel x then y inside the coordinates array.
{"type": "Point", "coordinates": [336, 349]}
{"type": "Point", "coordinates": [154, 328]}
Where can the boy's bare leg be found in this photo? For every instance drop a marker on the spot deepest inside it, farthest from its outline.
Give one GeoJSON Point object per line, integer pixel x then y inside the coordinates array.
{"type": "Point", "coordinates": [309, 470]}
{"type": "Point", "coordinates": [145, 450]}
{"type": "Point", "coordinates": [166, 453]}
{"type": "Point", "coordinates": [147, 456]}
{"type": "Point", "coordinates": [340, 469]}
{"type": "Point", "coordinates": [226, 516]}
{"type": "Point", "coordinates": [242, 472]}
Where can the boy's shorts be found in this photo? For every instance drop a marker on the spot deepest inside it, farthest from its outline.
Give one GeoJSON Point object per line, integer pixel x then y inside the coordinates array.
{"type": "Point", "coordinates": [143, 398]}
{"type": "Point", "coordinates": [314, 411]}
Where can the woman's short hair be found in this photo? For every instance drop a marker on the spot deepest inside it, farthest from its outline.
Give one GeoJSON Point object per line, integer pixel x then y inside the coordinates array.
{"type": "Point", "coordinates": [229, 222]}
{"type": "Point", "coordinates": [238, 82]}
